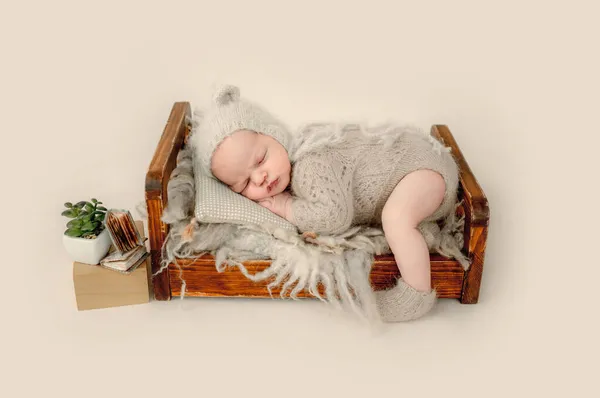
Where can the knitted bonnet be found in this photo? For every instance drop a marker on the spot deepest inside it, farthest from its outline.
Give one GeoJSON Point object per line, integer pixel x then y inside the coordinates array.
{"type": "Point", "coordinates": [226, 114]}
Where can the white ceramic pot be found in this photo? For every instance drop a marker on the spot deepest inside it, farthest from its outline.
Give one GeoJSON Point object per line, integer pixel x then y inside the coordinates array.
{"type": "Point", "coordinates": [88, 251]}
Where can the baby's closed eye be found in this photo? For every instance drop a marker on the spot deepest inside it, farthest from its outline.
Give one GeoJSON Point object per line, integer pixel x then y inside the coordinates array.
{"type": "Point", "coordinates": [262, 159]}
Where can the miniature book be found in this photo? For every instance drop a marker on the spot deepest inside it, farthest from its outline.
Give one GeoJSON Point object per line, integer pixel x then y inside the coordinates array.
{"type": "Point", "coordinates": [128, 250]}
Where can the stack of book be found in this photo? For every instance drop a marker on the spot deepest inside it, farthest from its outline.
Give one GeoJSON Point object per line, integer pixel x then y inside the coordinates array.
{"type": "Point", "coordinates": [128, 250]}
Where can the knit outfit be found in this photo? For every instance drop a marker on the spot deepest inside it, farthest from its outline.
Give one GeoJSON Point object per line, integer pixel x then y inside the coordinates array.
{"type": "Point", "coordinates": [348, 180]}
{"type": "Point", "coordinates": [340, 177]}
{"type": "Point", "coordinates": [404, 303]}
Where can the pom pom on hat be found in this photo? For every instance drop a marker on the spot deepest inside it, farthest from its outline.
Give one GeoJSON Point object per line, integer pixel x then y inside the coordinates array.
{"type": "Point", "coordinates": [228, 113]}
{"type": "Point", "coordinates": [226, 94]}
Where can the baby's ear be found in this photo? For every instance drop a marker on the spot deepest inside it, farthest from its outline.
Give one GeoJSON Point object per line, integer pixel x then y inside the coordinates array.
{"type": "Point", "coordinates": [226, 94]}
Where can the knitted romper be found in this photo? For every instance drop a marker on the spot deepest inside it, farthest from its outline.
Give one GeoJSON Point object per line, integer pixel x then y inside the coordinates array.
{"type": "Point", "coordinates": [348, 180]}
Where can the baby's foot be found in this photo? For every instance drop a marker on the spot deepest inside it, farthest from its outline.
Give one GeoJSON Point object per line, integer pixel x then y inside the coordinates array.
{"type": "Point", "coordinates": [404, 303]}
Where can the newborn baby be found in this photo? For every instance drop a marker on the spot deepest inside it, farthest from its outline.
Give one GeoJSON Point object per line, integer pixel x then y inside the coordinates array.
{"type": "Point", "coordinates": [327, 181]}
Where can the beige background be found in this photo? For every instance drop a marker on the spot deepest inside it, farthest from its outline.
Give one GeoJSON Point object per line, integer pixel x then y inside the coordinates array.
{"type": "Point", "coordinates": [86, 88]}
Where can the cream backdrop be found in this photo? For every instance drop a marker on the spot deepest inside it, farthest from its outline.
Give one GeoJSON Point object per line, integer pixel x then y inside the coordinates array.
{"type": "Point", "coordinates": [86, 88]}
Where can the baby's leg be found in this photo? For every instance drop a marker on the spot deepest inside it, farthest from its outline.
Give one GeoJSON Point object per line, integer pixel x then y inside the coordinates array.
{"type": "Point", "coordinates": [415, 197]}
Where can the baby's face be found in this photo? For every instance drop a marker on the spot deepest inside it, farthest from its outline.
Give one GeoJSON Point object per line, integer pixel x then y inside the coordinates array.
{"type": "Point", "coordinates": [255, 165]}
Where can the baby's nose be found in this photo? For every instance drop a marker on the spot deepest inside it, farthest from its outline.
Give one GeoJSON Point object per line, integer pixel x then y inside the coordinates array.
{"type": "Point", "coordinates": [261, 178]}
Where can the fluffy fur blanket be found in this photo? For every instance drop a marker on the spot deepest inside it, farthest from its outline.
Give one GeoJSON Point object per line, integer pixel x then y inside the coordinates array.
{"type": "Point", "coordinates": [341, 264]}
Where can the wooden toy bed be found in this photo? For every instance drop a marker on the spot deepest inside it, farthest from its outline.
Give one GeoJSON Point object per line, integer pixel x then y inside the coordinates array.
{"type": "Point", "coordinates": [202, 278]}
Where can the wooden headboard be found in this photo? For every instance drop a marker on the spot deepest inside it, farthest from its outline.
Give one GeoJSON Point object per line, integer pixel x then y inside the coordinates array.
{"type": "Point", "coordinates": [157, 178]}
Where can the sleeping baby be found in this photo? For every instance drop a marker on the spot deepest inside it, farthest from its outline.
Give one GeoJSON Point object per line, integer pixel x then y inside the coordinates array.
{"type": "Point", "coordinates": [328, 179]}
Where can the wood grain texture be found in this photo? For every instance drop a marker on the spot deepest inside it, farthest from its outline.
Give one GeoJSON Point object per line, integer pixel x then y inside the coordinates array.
{"type": "Point", "coordinates": [477, 216]}
{"type": "Point", "coordinates": [472, 282]}
{"type": "Point", "coordinates": [475, 200]}
{"type": "Point", "coordinates": [157, 178]}
{"type": "Point", "coordinates": [165, 156]}
{"type": "Point", "coordinates": [158, 232]}
{"type": "Point", "coordinates": [203, 280]}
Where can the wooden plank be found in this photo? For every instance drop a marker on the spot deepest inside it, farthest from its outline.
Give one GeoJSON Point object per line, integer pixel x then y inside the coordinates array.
{"type": "Point", "coordinates": [472, 282]}
{"type": "Point", "coordinates": [446, 275]}
{"type": "Point", "coordinates": [157, 179]}
{"type": "Point", "coordinates": [477, 203]}
{"type": "Point", "coordinates": [158, 232]}
{"type": "Point", "coordinates": [477, 215]}
{"type": "Point", "coordinates": [165, 155]}
{"type": "Point", "coordinates": [203, 280]}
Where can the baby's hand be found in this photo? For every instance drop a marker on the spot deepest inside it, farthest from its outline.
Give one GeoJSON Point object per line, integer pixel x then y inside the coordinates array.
{"type": "Point", "coordinates": [278, 204]}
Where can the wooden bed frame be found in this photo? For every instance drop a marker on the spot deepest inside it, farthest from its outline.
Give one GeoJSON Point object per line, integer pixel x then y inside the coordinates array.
{"type": "Point", "coordinates": [202, 278]}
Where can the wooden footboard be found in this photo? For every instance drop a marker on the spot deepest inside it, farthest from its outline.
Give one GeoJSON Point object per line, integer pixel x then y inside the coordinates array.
{"type": "Point", "coordinates": [477, 215]}
{"type": "Point", "coordinates": [202, 279]}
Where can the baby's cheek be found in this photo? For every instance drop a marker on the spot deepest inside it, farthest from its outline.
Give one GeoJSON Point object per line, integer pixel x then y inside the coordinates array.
{"type": "Point", "coordinates": [254, 194]}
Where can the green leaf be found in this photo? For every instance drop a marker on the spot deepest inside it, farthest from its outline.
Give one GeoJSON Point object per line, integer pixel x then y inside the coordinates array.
{"type": "Point", "coordinates": [102, 208]}
{"type": "Point", "coordinates": [89, 207]}
{"type": "Point", "coordinates": [94, 200]}
{"type": "Point", "coordinates": [100, 217]}
{"type": "Point", "coordinates": [68, 213]}
{"type": "Point", "coordinates": [73, 232]}
{"type": "Point", "coordinates": [68, 205]}
{"type": "Point", "coordinates": [79, 205]}
{"type": "Point", "coordinates": [74, 223]}
{"type": "Point", "coordinates": [87, 227]}
{"type": "Point", "coordinates": [97, 215]}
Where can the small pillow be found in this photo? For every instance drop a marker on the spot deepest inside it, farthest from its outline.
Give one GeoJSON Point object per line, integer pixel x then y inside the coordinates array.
{"type": "Point", "coordinates": [216, 203]}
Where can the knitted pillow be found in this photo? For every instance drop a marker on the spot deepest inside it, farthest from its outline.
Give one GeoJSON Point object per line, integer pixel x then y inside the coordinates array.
{"type": "Point", "coordinates": [216, 203]}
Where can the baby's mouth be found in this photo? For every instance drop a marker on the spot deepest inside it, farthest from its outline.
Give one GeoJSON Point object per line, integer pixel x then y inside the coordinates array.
{"type": "Point", "coordinates": [272, 185]}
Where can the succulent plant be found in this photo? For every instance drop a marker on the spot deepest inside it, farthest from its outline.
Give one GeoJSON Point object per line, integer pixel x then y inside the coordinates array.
{"type": "Point", "coordinates": [87, 219]}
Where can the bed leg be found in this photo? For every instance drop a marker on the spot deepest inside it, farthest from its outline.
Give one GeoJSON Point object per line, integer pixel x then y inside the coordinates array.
{"type": "Point", "coordinates": [157, 231]}
{"type": "Point", "coordinates": [472, 279]}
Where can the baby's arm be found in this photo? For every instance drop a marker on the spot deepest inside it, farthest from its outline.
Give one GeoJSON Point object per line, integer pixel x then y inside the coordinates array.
{"type": "Point", "coordinates": [280, 204]}
{"type": "Point", "coordinates": [322, 200]}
